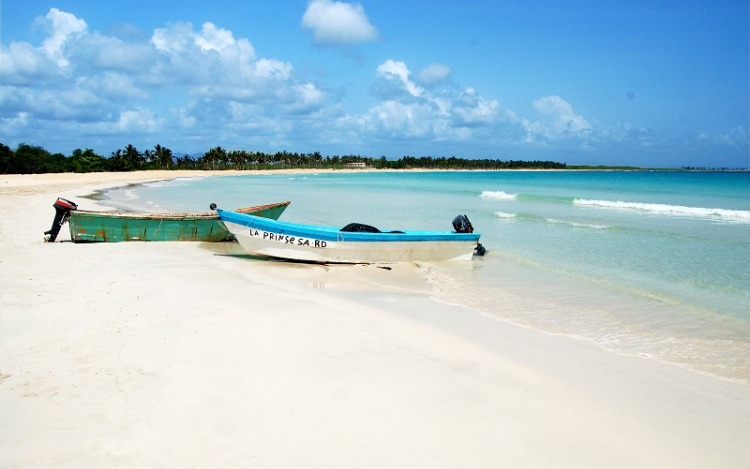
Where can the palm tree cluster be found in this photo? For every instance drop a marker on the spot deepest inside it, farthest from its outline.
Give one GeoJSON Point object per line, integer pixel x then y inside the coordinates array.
{"type": "Point", "coordinates": [27, 159]}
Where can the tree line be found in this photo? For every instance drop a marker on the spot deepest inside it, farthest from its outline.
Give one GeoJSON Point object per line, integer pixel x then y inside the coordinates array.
{"type": "Point", "coordinates": [29, 159]}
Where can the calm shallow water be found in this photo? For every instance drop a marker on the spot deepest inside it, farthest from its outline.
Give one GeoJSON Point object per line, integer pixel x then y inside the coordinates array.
{"type": "Point", "coordinates": [646, 263]}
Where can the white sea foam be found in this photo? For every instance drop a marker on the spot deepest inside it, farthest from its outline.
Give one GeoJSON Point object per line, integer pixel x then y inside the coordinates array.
{"type": "Point", "coordinates": [177, 182]}
{"type": "Point", "coordinates": [505, 215]}
{"type": "Point", "coordinates": [498, 195]}
{"type": "Point", "coordinates": [742, 216]}
{"type": "Point", "coordinates": [576, 224]}
{"type": "Point", "coordinates": [130, 195]}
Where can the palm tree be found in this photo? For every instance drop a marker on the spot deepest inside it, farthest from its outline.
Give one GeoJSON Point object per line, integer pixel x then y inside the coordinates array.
{"type": "Point", "coordinates": [163, 156]}
{"type": "Point", "coordinates": [215, 158]}
{"type": "Point", "coordinates": [132, 158]}
{"type": "Point", "coordinates": [115, 162]}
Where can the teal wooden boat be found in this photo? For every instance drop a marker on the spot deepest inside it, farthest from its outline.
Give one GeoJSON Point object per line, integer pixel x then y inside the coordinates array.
{"type": "Point", "coordinates": [96, 226]}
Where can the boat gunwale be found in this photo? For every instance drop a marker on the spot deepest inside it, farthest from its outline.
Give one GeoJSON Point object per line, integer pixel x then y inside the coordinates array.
{"type": "Point", "coordinates": [173, 215]}
{"type": "Point", "coordinates": [329, 233]}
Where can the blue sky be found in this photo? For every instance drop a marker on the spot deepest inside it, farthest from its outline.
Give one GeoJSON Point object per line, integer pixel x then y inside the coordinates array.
{"type": "Point", "coordinates": [643, 82]}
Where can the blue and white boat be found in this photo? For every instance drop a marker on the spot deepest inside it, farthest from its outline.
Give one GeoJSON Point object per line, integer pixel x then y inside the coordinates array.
{"type": "Point", "coordinates": [353, 244]}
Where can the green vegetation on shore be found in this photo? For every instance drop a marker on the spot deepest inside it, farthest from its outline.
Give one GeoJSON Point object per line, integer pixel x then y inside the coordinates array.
{"type": "Point", "coordinates": [28, 159]}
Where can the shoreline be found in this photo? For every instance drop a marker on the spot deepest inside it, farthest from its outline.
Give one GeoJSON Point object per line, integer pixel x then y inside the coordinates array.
{"type": "Point", "coordinates": [183, 354]}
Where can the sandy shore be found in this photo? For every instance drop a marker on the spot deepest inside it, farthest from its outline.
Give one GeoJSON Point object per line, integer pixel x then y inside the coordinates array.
{"type": "Point", "coordinates": [181, 355]}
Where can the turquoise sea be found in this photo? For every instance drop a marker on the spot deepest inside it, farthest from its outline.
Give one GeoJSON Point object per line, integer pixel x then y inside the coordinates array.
{"type": "Point", "coordinates": [647, 263]}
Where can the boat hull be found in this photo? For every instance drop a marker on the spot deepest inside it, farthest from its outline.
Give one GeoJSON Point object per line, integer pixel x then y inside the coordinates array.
{"type": "Point", "coordinates": [92, 226]}
{"type": "Point", "coordinates": [329, 245]}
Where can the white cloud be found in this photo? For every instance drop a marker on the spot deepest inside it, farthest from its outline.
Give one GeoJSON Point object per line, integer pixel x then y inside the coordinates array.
{"type": "Point", "coordinates": [557, 120]}
{"type": "Point", "coordinates": [216, 64]}
{"type": "Point", "coordinates": [447, 113]}
{"type": "Point", "coordinates": [338, 23]}
{"type": "Point", "coordinates": [560, 114]}
{"type": "Point", "coordinates": [21, 62]}
{"type": "Point", "coordinates": [138, 120]}
{"type": "Point", "coordinates": [173, 39]}
{"type": "Point", "coordinates": [114, 84]}
{"type": "Point", "coordinates": [95, 52]}
{"type": "Point", "coordinates": [734, 137]}
{"type": "Point", "coordinates": [399, 120]}
{"type": "Point", "coordinates": [391, 70]}
{"type": "Point", "coordinates": [181, 40]}
{"type": "Point", "coordinates": [213, 38]}
{"type": "Point", "coordinates": [65, 28]}
{"type": "Point", "coordinates": [125, 124]}
{"type": "Point", "coordinates": [15, 125]}
{"type": "Point", "coordinates": [629, 134]}
{"type": "Point", "coordinates": [470, 109]}
{"type": "Point", "coordinates": [433, 73]}
{"type": "Point", "coordinates": [272, 69]}
{"type": "Point", "coordinates": [307, 97]}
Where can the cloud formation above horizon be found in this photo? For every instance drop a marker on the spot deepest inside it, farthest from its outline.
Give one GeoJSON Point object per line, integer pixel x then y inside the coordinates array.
{"type": "Point", "coordinates": [338, 23]}
{"type": "Point", "coordinates": [192, 88]}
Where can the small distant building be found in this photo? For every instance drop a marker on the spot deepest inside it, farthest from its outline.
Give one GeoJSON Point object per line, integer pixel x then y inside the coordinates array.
{"type": "Point", "coordinates": [355, 165]}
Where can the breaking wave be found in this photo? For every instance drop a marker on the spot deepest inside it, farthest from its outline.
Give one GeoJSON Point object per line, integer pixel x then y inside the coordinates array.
{"type": "Point", "coordinates": [505, 215]}
{"type": "Point", "coordinates": [555, 221]}
{"type": "Point", "coordinates": [741, 216]}
{"type": "Point", "coordinates": [498, 195]}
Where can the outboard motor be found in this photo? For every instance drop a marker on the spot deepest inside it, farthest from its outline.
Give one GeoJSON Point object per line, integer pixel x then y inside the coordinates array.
{"type": "Point", "coordinates": [461, 224]}
{"type": "Point", "coordinates": [480, 250]}
{"type": "Point", "coordinates": [62, 213]}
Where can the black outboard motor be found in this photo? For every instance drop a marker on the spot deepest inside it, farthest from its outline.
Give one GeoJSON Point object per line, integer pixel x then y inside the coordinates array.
{"type": "Point", "coordinates": [62, 213]}
{"type": "Point", "coordinates": [461, 224]}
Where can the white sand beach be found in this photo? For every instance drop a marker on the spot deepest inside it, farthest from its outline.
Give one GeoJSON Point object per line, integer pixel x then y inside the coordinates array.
{"type": "Point", "coordinates": [181, 355]}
